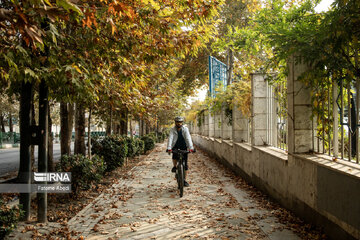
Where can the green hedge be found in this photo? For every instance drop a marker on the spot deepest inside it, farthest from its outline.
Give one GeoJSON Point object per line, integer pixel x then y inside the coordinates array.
{"type": "Point", "coordinates": [140, 146]}
{"type": "Point", "coordinates": [9, 217]}
{"type": "Point", "coordinates": [84, 171]}
{"type": "Point", "coordinates": [113, 149]}
{"type": "Point", "coordinates": [131, 146]}
{"type": "Point", "coordinates": [149, 141]}
{"type": "Point", "coordinates": [161, 136]}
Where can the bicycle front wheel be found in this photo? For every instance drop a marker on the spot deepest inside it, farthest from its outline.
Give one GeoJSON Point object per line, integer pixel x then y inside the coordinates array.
{"type": "Point", "coordinates": [181, 179]}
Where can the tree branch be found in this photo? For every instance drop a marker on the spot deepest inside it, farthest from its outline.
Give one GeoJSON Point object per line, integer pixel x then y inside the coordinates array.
{"type": "Point", "coordinates": [5, 14]}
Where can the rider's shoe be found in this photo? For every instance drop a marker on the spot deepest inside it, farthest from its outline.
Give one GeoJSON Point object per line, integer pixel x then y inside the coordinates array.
{"type": "Point", "coordinates": [186, 184]}
{"type": "Point", "coordinates": [173, 169]}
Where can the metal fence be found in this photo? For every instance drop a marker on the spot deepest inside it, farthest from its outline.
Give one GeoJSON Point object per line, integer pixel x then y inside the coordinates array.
{"type": "Point", "coordinates": [9, 138]}
{"type": "Point", "coordinates": [217, 74]}
{"type": "Point", "coordinates": [336, 125]}
{"type": "Point", "coordinates": [276, 100]}
{"type": "Point", "coordinates": [280, 93]}
{"type": "Point", "coordinates": [335, 120]}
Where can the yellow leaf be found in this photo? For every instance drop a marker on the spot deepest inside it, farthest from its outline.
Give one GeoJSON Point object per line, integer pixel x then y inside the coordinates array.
{"type": "Point", "coordinates": [315, 103]}
{"type": "Point", "coordinates": [76, 68]}
{"type": "Point", "coordinates": [48, 3]}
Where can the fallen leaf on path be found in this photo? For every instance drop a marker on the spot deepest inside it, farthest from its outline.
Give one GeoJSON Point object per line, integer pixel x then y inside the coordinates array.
{"type": "Point", "coordinates": [95, 228]}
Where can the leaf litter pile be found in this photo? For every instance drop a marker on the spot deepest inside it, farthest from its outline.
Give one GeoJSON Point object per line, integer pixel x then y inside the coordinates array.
{"type": "Point", "coordinates": [62, 207]}
{"type": "Point", "coordinates": [272, 209]}
{"type": "Point", "coordinates": [217, 205]}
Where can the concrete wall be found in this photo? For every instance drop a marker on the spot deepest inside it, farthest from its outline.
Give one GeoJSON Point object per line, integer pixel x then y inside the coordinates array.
{"type": "Point", "coordinates": [321, 191]}
{"type": "Point", "coordinates": [211, 125]}
{"type": "Point", "coordinates": [239, 126]}
{"type": "Point", "coordinates": [316, 188]}
{"type": "Point", "coordinates": [217, 125]}
{"type": "Point", "coordinates": [226, 128]}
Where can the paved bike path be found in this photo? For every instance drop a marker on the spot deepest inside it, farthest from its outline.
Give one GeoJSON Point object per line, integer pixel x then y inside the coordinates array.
{"type": "Point", "coordinates": [146, 205]}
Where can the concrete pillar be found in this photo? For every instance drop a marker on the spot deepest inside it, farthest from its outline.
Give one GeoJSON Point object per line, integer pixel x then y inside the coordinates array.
{"type": "Point", "coordinates": [211, 125]}
{"type": "Point", "coordinates": [299, 109]}
{"type": "Point", "coordinates": [202, 115]}
{"type": "Point", "coordinates": [206, 124]}
{"type": "Point", "coordinates": [225, 125]}
{"type": "Point", "coordinates": [258, 110]}
{"type": "Point", "coordinates": [197, 124]}
{"type": "Point", "coordinates": [217, 124]}
{"type": "Point", "coordinates": [239, 126]}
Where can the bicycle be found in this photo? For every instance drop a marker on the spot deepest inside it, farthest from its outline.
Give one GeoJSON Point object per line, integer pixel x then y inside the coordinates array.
{"type": "Point", "coordinates": [180, 169]}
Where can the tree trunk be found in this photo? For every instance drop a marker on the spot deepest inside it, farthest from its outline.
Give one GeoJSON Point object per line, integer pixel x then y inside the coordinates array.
{"type": "Point", "coordinates": [79, 145]}
{"type": "Point", "coordinates": [131, 129]}
{"type": "Point", "coordinates": [43, 147]}
{"type": "Point", "coordinates": [64, 126]}
{"type": "Point", "coordinates": [230, 66]}
{"type": "Point", "coordinates": [26, 98]}
{"type": "Point", "coordinates": [109, 124]}
{"type": "Point", "coordinates": [66, 123]}
{"type": "Point", "coordinates": [147, 128]}
{"type": "Point", "coordinates": [115, 128]}
{"type": "Point", "coordinates": [157, 128]}
{"type": "Point", "coordinates": [116, 125]}
{"type": "Point", "coordinates": [2, 122]}
{"type": "Point", "coordinates": [51, 167]}
{"type": "Point", "coordinates": [89, 134]}
{"type": "Point", "coordinates": [32, 147]}
{"type": "Point", "coordinates": [10, 123]}
{"type": "Point", "coordinates": [108, 128]}
{"type": "Point", "coordinates": [141, 125]}
{"type": "Point", "coordinates": [71, 119]}
{"type": "Point", "coordinates": [123, 122]}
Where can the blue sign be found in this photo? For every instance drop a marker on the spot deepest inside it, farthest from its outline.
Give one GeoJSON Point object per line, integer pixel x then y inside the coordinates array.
{"type": "Point", "coordinates": [217, 74]}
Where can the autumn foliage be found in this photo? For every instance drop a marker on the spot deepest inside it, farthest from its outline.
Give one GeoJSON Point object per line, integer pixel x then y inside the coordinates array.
{"type": "Point", "coordinates": [107, 55]}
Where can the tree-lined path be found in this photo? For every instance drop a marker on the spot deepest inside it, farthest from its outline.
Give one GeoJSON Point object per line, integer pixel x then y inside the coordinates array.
{"type": "Point", "coordinates": [290, 79]}
{"type": "Point", "coordinates": [144, 204]}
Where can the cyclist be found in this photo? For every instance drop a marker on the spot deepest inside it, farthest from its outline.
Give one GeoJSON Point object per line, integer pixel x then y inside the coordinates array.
{"type": "Point", "coordinates": [179, 138]}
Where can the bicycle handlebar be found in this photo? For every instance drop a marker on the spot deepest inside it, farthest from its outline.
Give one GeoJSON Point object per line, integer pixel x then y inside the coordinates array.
{"type": "Point", "coordinates": [179, 151]}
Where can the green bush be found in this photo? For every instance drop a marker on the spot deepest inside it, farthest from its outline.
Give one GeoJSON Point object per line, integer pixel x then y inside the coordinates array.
{"type": "Point", "coordinates": [152, 135]}
{"type": "Point", "coordinates": [9, 217]}
{"type": "Point", "coordinates": [140, 146]}
{"type": "Point", "coordinates": [149, 142]}
{"type": "Point", "coordinates": [165, 134]}
{"type": "Point", "coordinates": [161, 137]}
{"type": "Point", "coordinates": [96, 146]}
{"type": "Point", "coordinates": [131, 146]}
{"type": "Point", "coordinates": [113, 149]}
{"type": "Point", "coordinates": [84, 171]}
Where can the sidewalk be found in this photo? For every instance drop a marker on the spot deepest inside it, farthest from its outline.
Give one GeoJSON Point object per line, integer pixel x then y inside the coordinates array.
{"type": "Point", "coordinates": [146, 205]}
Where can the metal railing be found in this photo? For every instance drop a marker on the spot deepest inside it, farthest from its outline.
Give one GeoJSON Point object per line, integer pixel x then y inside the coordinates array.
{"type": "Point", "coordinates": [277, 114]}
{"type": "Point", "coordinates": [9, 138]}
{"type": "Point", "coordinates": [336, 125]}
{"type": "Point", "coordinates": [281, 115]}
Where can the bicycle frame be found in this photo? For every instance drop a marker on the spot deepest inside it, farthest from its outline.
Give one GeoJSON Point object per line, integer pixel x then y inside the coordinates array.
{"type": "Point", "coordinates": [180, 170]}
